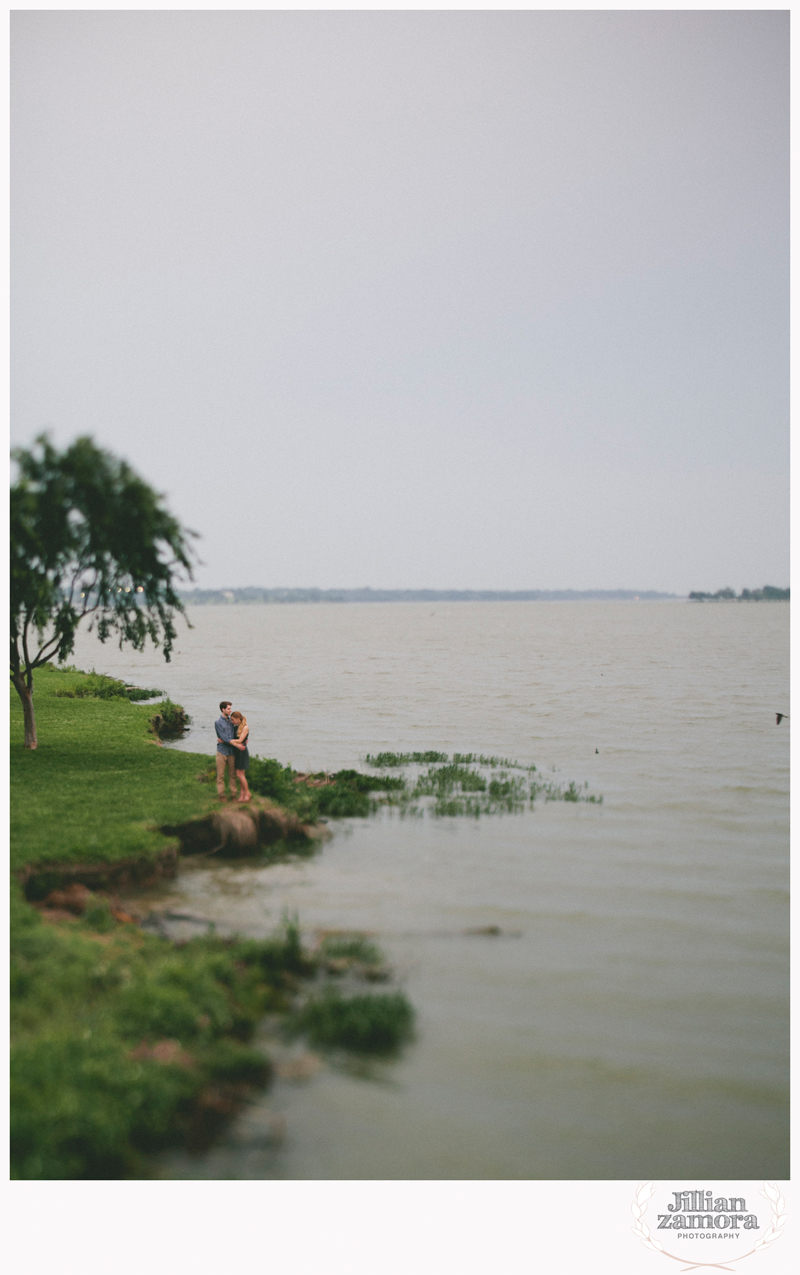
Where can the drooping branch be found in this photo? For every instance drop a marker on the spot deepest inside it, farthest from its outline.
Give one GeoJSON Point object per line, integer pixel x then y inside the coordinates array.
{"type": "Point", "coordinates": [82, 522]}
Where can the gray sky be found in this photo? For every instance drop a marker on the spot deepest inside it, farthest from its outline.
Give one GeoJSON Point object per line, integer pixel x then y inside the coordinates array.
{"type": "Point", "coordinates": [417, 299]}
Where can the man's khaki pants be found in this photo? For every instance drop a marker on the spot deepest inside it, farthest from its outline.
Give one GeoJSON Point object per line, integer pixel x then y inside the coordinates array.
{"type": "Point", "coordinates": [223, 764]}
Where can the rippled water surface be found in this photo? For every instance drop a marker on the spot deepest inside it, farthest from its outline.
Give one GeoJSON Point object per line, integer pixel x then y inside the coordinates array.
{"type": "Point", "coordinates": [631, 1018]}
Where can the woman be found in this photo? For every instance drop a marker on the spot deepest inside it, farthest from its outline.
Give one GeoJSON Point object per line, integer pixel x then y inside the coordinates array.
{"type": "Point", "coordinates": [242, 755]}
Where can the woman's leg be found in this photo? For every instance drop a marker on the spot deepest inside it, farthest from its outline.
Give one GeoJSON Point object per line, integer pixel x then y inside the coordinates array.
{"type": "Point", "coordinates": [244, 787]}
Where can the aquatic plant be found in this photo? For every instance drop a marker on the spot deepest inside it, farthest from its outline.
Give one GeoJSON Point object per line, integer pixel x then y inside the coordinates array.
{"type": "Point", "coordinates": [269, 778]}
{"type": "Point", "coordinates": [552, 791]}
{"type": "Point", "coordinates": [390, 760]}
{"type": "Point", "coordinates": [474, 784]}
{"type": "Point", "coordinates": [136, 693]}
{"type": "Point", "coordinates": [170, 721]}
{"type": "Point", "coordinates": [438, 782]}
{"type": "Point", "coordinates": [368, 783]}
{"type": "Point", "coordinates": [496, 763]}
{"type": "Point", "coordinates": [345, 794]}
{"type": "Point", "coordinates": [351, 947]}
{"type": "Point", "coordinates": [370, 1023]}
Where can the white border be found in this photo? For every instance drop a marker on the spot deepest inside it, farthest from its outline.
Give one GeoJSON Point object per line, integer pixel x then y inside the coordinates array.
{"type": "Point", "coordinates": [337, 1227]}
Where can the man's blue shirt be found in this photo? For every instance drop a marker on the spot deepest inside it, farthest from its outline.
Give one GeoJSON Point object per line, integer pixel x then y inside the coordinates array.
{"type": "Point", "coordinates": [225, 730]}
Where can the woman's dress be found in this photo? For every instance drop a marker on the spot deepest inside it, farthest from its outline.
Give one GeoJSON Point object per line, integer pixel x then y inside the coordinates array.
{"type": "Point", "coordinates": [243, 755]}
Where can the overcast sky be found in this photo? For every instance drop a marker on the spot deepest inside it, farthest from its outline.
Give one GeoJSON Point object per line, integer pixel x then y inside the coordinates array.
{"type": "Point", "coordinates": [417, 299]}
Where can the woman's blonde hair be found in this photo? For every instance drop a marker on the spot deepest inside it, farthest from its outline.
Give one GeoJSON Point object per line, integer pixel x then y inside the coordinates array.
{"type": "Point", "coordinates": [242, 722]}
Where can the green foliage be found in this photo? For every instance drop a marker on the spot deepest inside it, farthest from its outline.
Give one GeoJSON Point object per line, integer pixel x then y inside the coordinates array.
{"type": "Point", "coordinates": [390, 760]}
{"type": "Point", "coordinates": [80, 1108]}
{"type": "Point", "coordinates": [276, 956]}
{"type": "Point", "coordinates": [237, 1064]}
{"type": "Point", "coordinates": [93, 686]}
{"type": "Point", "coordinates": [473, 784]}
{"type": "Point", "coordinates": [439, 782]}
{"type": "Point", "coordinates": [496, 763]}
{"type": "Point", "coordinates": [117, 1035]}
{"type": "Point", "coordinates": [343, 795]}
{"type": "Point", "coordinates": [89, 1094]}
{"type": "Point", "coordinates": [98, 686]}
{"type": "Point", "coordinates": [98, 916]}
{"type": "Point", "coordinates": [351, 947]}
{"type": "Point", "coordinates": [552, 791]}
{"type": "Point", "coordinates": [170, 720]}
{"type": "Point", "coordinates": [357, 782]}
{"type": "Point", "coordinates": [371, 1023]}
{"type": "Point", "coordinates": [269, 778]}
{"type": "Point", "coordinates": [342, 802]}
{"type": "Point", "coordinates": [88, 538]}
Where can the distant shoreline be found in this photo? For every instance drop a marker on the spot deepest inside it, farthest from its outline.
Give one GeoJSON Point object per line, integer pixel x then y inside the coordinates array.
{"type": "Point", "coordinates": [256, 597]}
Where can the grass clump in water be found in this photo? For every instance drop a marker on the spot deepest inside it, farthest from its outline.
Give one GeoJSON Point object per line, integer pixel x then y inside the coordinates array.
{"type": "Point", "coordinates": [346, 794]}
{"type": "Point", "coordinates": [552, 791]}
{"type": "Point", "coordinates": [351, 947]}
{"type": "Point", "coordinates": [475, 784]}
{"type": "Point", "coordinates": [495, 763]}
{"type": "Point", "coordinates": [458, 787]}
{"type": "Point", "coordinates": [391, 760]}
{"type": "Point", "coordinates": [171, 721]}
{"type": "Point", "coordinates": [439, 782]}
{"type": "Point", "coordinates": [370, 1023]}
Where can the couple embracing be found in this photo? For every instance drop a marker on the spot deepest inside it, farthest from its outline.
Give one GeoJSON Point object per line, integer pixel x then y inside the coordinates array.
{"type": "Point", "coordinates": [232, 755]}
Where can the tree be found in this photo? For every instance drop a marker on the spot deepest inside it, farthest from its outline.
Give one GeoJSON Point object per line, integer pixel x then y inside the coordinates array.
{"type": "Point", "coordinates": [88, 538]}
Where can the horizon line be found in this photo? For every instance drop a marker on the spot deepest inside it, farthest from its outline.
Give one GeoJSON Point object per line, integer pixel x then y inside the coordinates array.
{"type": "Point", "coordinates": [255, 594]}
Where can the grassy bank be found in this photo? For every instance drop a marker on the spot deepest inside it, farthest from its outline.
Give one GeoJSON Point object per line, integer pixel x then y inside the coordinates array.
{"type": "Point", "coordinates": [122, 1042]}
{"type": "Point", "coordinates": [98, 785]}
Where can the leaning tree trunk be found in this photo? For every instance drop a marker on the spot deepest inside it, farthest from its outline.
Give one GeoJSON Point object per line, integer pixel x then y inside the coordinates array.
{"type": "Point", "coordinates": [26, 695]}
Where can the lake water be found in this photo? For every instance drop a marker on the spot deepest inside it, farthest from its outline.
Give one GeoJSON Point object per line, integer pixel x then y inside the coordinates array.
{"type": "Point", "coordinates": [631, 1021]}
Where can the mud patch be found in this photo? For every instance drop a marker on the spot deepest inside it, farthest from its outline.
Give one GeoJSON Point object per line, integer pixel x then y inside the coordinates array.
{"type": "Point", "coordinates": [239, 832]}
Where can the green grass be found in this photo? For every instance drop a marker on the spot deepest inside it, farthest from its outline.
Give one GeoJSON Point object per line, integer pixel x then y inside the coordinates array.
{"type": "Point", "coordinates": [351, 947]}
{"type": "Point", "coordinates": [98, 783]}
{"type": "Point", "coordinates": [122, 1042]}
{"type": "Point", "coordinates": [90, 1099]}
{"type": "Point", "coordinates": [372, 1023]}
{"type": "Point", "coordinates": [383, 760]}
{"type": "Point", "coordinates": [474, 785]}
{"type": "Point", "coordinates": [92, 998]}
{"type": "Point", "coordinates": [343, 795]}
{"type": "Point", "coordinates": [99, 686]}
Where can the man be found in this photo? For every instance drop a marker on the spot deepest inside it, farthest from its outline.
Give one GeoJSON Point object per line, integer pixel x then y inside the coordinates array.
{"type": "Point", "coordinates": [225, 751]}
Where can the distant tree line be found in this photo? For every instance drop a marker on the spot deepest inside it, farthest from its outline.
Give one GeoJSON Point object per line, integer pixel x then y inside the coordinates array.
{"type": "Point", "coordinates": [768, 594]}
{"type": "Point", "coordinates": [222, 597]}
